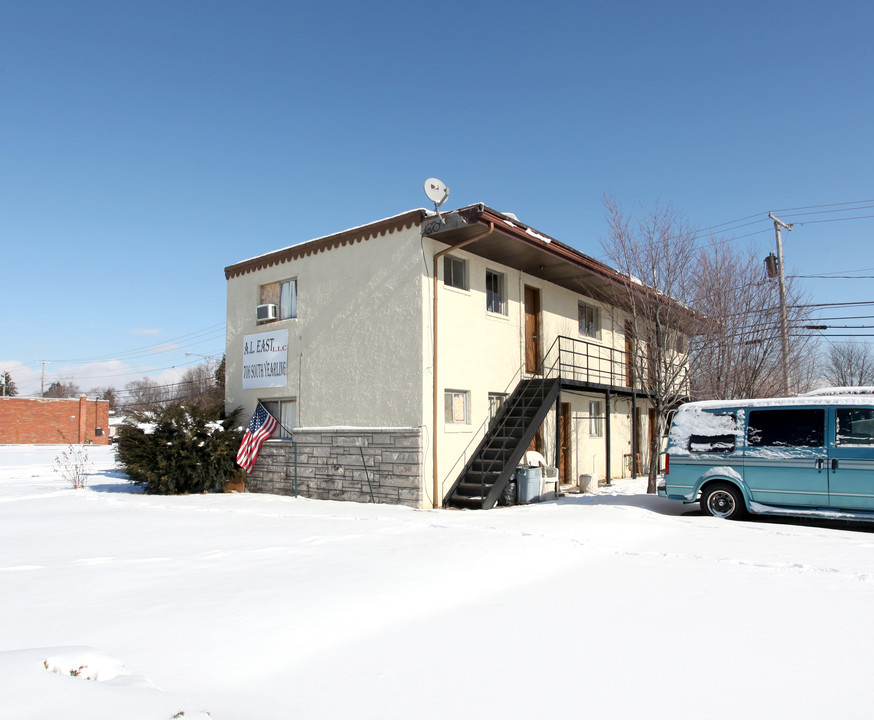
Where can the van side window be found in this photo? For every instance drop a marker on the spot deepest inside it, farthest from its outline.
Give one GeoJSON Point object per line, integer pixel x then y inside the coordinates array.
{"type": "Point", "coordinates": [711, 443]}
{"type": "Point", "coordinates": [855, 426]}
{"type": "Point", "coordinates": [804, 427]}
{"type": "Point", "coordinates": [712, 436]}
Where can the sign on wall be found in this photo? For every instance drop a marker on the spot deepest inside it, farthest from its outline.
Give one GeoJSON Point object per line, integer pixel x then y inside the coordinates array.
{"type": "Point", "coordinates": [265, 360]}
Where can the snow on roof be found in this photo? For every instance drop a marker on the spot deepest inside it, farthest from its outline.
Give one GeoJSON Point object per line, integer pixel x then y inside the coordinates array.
{"type": "Point", "coordinates": [853, 390]}
{"type": "Point", "coordinates": [532, 233]}
{"type": "Point", "coordinates": [800, 400]}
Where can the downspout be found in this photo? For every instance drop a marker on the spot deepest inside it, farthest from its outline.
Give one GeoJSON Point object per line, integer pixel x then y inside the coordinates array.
{"type": "Point", "coordinates": [437, 256]}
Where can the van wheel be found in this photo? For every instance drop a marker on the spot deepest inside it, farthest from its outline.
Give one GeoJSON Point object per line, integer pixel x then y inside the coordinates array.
{"type": "Point", "coordinates": [723, 501]}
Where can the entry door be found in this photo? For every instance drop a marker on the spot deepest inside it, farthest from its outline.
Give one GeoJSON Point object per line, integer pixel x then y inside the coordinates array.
{"type": "Point", "coordinates": [532, 330]}
{"type": "Point", "coordinates": [851, 458]}
{"type": "Point", "coordinates": [564, 465]}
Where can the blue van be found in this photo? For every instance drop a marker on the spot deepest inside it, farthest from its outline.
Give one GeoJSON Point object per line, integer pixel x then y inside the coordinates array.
{"type": "Point", "coordinates": [808, 455]}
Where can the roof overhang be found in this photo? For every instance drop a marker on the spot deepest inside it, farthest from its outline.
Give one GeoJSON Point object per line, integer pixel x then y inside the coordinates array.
{"type": "Point", "coordinates": [520, 247]}
{"type": "Point", "coordinates": [512, 243]}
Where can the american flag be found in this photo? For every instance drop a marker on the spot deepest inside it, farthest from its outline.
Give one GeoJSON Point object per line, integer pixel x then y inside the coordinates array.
{"type": "Point", "coordinates": [261, 427]}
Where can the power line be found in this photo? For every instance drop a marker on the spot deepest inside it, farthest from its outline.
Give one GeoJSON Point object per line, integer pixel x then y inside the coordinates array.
{"type": "Point", "coordinates": [741, 222]}
{"type": "Point", "coordinates": [833, 277]}
{"type": "Point", "coordinates": [812, 207]}
{"type": "Point", "coordinates": [812, 222]}
{"type": "Point", "coordinates": [153, 349]}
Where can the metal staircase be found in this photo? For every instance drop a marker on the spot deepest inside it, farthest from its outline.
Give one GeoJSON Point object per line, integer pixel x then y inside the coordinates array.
{"type": "Point", "coordinates": [484, 478]}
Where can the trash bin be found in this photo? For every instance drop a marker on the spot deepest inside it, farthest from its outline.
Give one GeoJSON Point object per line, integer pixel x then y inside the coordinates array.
{"type": "Point", "coordinates": [528, 479]}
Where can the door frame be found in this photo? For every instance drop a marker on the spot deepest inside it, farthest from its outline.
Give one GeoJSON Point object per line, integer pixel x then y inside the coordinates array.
{"type": "Point", "coordinates": [566, 438]}
{"type": "Point", "coordinates": [532, 330]}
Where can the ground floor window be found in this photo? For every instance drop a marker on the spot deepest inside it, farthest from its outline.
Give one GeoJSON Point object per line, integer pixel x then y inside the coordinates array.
{"type": "Point", "coordinates": [596, 427]}
{"type": "Point", "coordinates": [496, 402]}
{"type": "Point", "coordinates": [456, 407]}
{"type": "Point", "coordinates": [285, 412]}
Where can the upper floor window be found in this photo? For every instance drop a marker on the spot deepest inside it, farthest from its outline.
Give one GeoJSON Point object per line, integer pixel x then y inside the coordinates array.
{"type": "Point", "coordinates": [590, 321]}
{"type": "Point", "coordinates": [283, 294]}
{"type": "Point", "coordinates": [455, 272]}
{"type": "Point", "coordinates": [496, 296]}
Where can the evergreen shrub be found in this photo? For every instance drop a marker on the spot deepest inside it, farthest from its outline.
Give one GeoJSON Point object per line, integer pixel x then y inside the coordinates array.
{"type": "Point", "coordinates": [176, 449]}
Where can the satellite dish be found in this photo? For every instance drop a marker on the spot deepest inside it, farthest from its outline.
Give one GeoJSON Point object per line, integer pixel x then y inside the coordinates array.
{"type": "Point", "coordinates": [436, 191]}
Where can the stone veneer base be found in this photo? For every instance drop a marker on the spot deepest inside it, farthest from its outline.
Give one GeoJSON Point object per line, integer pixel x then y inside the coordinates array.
{"type": "Point", "coordinates": [329, 465]}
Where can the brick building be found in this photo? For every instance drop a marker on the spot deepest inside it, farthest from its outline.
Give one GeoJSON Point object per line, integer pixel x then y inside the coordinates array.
{"type": "Point", "coordinates": [53, 420]}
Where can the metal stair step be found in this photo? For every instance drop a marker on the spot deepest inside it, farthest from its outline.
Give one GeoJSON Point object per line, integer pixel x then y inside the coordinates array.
{"type": "Point", "coordinates": [475, 477]}
{"type": "Point", "coordinates": [466, 502]}
{"type": "Point", "coordinates": [472, 491]}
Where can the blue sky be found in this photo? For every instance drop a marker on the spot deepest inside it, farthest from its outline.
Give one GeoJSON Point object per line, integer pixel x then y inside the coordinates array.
{"type": "Point", "coordinates": [146, 146]}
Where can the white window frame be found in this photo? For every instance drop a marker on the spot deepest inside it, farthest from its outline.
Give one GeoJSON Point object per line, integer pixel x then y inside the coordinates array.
{"type": "Point", "coordinates": [287, 301]}
{"type": "Point", "coordinates": [452, 267]}
{"type": "Point", "coordinates": [596, 425]}
{"type": "Point", "coordinates": [589, 317]}
{"type": "Point", "coordinates": [285, 412]}
{"type": "Point", "coordinates": [496, 402]}
{"type": "Point", "coordinates": [453, 402]}
{"type": "Point", "coordinates": [496, 300]}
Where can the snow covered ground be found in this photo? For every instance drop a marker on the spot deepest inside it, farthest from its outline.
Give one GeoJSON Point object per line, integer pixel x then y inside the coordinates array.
{"type": "Point", "coordinates": [121, 606]}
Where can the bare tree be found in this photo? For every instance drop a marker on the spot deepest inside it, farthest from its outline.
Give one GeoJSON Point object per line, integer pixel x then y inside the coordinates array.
{"type": "Point", "coordinates": [197, 386]}
{"type": "Point", "coordinates": [849, 364]}
{"type": "Point", "coordinates": [658, 255]}
{"type": "Point", "coordinates": [737, 352]}
{"type": "Point", "coordinates": [143, 394]}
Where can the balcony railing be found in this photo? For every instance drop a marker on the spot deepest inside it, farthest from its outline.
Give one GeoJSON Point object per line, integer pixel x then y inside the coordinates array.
{"type": "Point", "coordinates": [587, 362]}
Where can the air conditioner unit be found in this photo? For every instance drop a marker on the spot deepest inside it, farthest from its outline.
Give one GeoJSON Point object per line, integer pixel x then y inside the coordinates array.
{"type": "Point", "coordinates": [266, 312]}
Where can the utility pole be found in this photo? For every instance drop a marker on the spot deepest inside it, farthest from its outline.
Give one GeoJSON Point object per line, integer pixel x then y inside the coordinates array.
{"type": "Point", "coordinates": [781, 277]}
{"type": "Point", "coordinates": [42, 382]}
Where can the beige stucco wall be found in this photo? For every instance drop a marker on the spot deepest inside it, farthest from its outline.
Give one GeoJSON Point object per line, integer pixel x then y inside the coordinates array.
{"type": "Point", "coordinates": [355, 348]}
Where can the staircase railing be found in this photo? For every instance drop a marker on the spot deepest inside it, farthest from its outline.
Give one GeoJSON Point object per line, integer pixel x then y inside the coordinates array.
{"type": "Point", "coordinates": [489, 468]}
{"type": "Point", "coordinates": [482, 431]}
